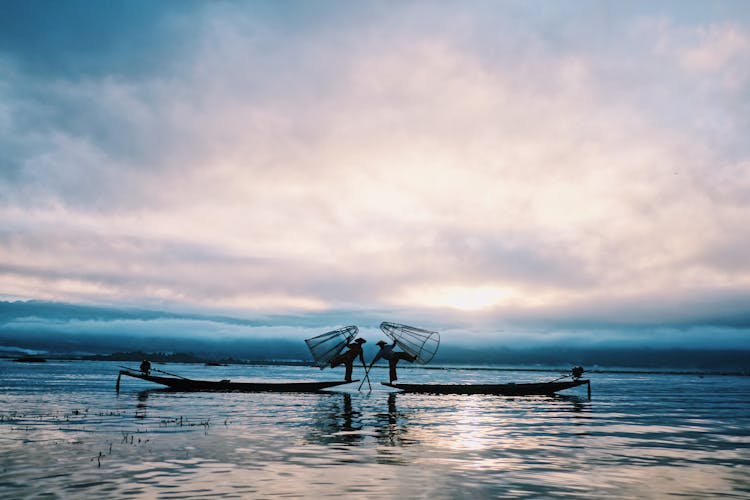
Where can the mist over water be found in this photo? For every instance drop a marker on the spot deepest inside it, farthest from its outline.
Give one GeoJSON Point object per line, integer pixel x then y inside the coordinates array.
{"type": "Point", "coordinates": [66, 433]}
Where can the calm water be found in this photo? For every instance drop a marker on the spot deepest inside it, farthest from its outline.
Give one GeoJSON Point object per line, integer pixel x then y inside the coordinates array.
{"type": "Point", "coordinates": [65, 433]}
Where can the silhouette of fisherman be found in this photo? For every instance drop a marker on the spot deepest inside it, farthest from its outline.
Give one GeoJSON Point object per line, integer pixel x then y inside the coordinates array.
{"type": "Point", "coordinates": [347, 358]}
{"type": "Point", "coordinates": [145, 366]}
{"type": "Point", "coordinates": [393, 357]}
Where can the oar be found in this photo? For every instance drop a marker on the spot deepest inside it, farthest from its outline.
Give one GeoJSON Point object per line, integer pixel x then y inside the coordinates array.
{"type": "Point", "coordinates": [167, 373]}
{"type": "Point", "coordinates": [363, 381]}
{"type": "Point", "coordinates": [562, 376]}
{"type": "Point", "coordinates": [367, 377]}
{"type": "Point", "coordinates": [155, 370]}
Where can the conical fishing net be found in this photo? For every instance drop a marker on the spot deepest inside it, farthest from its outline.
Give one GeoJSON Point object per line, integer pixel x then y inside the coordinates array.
{"type": "Point", "coordinates": [326, 346]}
{"type": "Point", "coordinates": [423, 344]}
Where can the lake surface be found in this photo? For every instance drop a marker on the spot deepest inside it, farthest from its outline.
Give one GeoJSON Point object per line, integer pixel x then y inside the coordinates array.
{"type": "Point", "coordinates": [65, 433]}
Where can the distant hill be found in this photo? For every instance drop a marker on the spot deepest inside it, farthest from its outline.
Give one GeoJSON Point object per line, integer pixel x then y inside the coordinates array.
{"type": "Point", "coordinates": [51, 330]}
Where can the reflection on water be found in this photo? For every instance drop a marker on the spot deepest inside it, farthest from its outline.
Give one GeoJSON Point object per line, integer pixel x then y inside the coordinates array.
{"type": "Point", "coordinates": [334, 421]}
{"type": "Point", "coordinates": [64, 432]}
{"type": "Point", "coordinates": [140, 411]}
{"type": "Point", "coordinates": [392, 429]}
{"type": "Point", "coordinates": [578, 404]}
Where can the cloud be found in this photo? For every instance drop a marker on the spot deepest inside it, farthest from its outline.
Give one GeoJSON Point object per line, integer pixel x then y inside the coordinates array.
{"type": "Point", "coordinates": [406, 158]}
{"type": "Point", "coordinates": [57, 328]}
{"type": "Point", "coordinates": [717, 49]}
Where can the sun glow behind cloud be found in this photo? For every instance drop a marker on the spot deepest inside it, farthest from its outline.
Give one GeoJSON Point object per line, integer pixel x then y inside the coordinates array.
{"type": "Point", "coordinates": [458, 297]}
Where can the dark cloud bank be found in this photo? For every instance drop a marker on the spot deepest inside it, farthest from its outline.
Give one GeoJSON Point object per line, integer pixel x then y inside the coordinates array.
{"type": "Point", "coordinates": [65, 329]}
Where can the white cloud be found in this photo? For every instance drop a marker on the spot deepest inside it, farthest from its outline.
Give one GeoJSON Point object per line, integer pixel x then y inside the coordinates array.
{"type": "Point", "coordinates": [717, 48]}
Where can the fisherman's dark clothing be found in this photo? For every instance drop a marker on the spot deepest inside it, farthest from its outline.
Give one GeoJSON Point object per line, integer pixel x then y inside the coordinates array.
{"type": "Point", "coordinates": [347, 359]}
{"type": "Point", "coordinates": [393, 357]}
{"type": "Point", "coordinates": [146, 367]}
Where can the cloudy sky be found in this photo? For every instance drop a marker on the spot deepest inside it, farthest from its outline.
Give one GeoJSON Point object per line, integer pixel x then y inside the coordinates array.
{"type": "Point", "coordinates": [558, 165]}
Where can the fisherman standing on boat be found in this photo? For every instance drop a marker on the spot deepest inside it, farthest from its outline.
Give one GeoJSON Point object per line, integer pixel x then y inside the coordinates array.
{"type": "Point", "coordinates": [347, 358]}
{"type": "Point", "coordinates": [387, 352]}
{"type": "Point", "coordinates": [145, 366]}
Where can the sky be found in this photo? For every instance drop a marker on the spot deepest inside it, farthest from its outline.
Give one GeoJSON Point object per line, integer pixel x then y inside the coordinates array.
{"type": "Point", "coordinates": [563, 169]}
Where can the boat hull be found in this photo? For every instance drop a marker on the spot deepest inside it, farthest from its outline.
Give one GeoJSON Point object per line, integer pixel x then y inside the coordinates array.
{"type": "Point", "coordinates": [184, 384]}
{"type": "Point", "coordinates": [532, 389]}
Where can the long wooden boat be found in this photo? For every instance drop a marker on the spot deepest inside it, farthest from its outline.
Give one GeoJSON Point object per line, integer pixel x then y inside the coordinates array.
{"type": "Point", "coordinates": [186, 384]}
{"type": "Point", "coordinates": [529, 389]}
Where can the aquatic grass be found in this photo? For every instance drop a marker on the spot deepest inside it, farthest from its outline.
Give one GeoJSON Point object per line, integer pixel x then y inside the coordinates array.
{"type": "Point", "coordinates": [185, 422]}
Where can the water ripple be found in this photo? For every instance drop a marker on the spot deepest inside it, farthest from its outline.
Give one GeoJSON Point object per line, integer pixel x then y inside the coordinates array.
{"type": "Point", "coordinates": [64, 432]}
